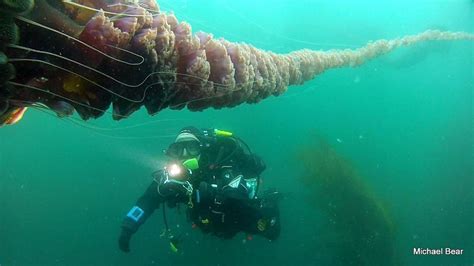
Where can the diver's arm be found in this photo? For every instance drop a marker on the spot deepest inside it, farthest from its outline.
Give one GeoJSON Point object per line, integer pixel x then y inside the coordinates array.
{"type": "Point", "coordinates": [138, 214]}
{"type": "Point", "coordinates": [144, 207]}
{"type": "Point", "coordinates": [161, 190]}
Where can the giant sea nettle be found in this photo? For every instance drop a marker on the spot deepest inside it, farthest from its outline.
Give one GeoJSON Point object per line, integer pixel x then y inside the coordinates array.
{"type": "Point", "coordinates": [86, 56]}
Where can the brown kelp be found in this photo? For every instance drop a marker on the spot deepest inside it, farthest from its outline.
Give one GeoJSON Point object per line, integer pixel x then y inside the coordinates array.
{"type": "Point", "coordinates": [363, 227]}
{"type": "Point", "coordinates": [86, 56]}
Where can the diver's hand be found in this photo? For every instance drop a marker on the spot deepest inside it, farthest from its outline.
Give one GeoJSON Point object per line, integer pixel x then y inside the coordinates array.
{"type": "Point", "coordinates": [124, 240]}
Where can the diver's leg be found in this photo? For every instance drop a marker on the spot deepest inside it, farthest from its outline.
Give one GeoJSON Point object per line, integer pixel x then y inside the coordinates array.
{"type": "Point", "coordinates": [269, 223]}
{"type": "Point", "coordinates": [262, 218]}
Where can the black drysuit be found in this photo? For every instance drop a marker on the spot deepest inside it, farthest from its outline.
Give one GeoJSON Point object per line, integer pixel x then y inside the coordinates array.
{"type": "Point", "coordinates": [224, 199]}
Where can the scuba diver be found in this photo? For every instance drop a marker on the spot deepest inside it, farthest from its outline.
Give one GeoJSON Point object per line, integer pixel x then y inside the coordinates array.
{"type": "Point", "coordinates": [216, 175]}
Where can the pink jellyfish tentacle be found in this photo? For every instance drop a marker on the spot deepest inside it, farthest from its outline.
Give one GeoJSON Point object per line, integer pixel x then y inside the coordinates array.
{"type": "Point", "coordinates": [198, 71]}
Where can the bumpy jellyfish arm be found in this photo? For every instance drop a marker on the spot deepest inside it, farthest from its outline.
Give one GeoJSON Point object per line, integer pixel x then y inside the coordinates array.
{"type": "Point", "coordinates": [9, 35]}
{"type": "Point", "coordinates": [218, 73]}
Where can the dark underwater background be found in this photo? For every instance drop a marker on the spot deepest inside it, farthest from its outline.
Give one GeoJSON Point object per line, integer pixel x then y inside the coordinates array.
{"type": "Point", "coordinates": [403, 121]}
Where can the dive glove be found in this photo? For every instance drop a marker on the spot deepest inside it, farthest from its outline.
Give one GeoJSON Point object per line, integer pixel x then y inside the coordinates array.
{"type": "Point", "coordinates": [124, 240]}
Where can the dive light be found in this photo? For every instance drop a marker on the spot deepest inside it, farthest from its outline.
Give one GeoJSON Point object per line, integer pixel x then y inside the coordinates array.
{"type": "Point", "coordinates": [182, 171]}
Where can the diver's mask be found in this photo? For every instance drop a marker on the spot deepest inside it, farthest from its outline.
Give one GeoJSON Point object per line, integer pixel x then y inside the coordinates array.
{"type": "Point", "coordinates": [184, 149]}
